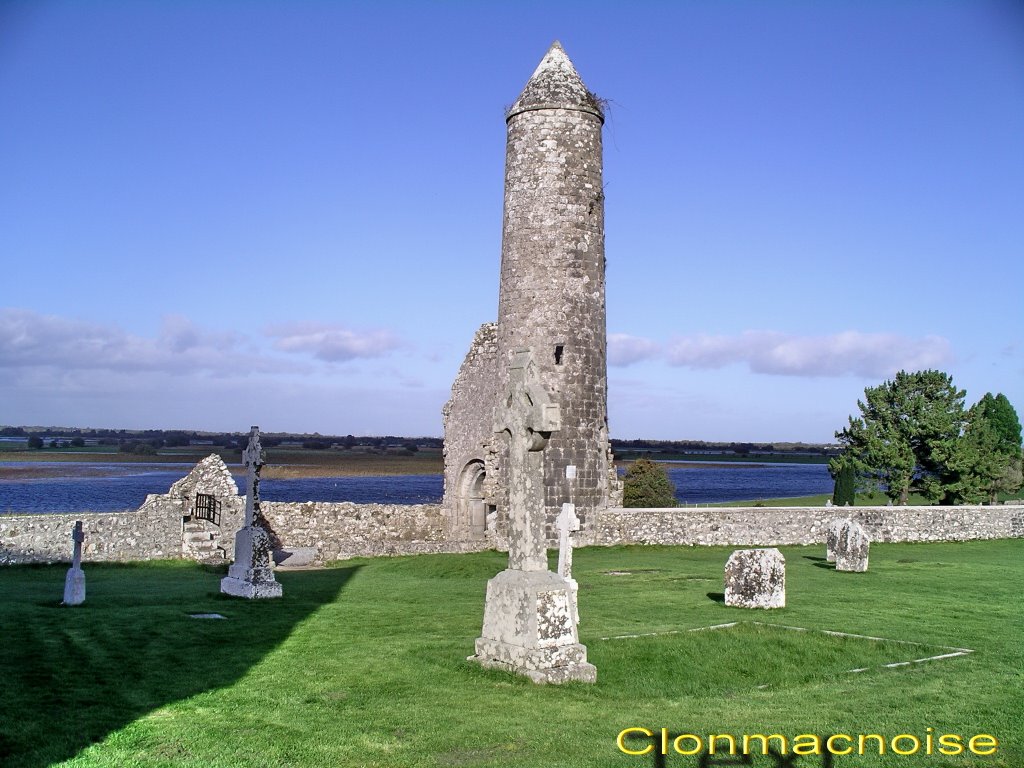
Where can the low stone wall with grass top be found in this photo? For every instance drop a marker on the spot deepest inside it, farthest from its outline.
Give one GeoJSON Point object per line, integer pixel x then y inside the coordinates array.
{"type": "Point", "coordinates": [772, 526]}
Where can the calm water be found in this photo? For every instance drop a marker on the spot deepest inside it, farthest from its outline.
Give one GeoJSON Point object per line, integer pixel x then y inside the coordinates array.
{"type": "Point", "coordinates": [129, 484]}
{"type": "Point", "coordinates": [701, 484]}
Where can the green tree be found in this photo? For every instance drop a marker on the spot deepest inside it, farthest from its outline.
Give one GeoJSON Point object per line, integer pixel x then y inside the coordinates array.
{"type": "Point", "coordinates": [845, 475]}
{"type": "Point", "coordinates": [35, 442]}
{"type": "Point", "coordinates": [647, 485]}
{"type": "Point", "coordinates": [988, 457]}
{"type": "Point", "coordinates": [907, 434]}
{"type": "Point", "coordinates": [1005, 422]}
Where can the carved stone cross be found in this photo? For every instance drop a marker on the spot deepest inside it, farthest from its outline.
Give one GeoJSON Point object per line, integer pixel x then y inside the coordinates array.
{"type": "Point", "coordinates": [254, 458]}
{"type": "Point", "coordinates": [567, 522]}
{"type": "Point", "coordinates": [77, 536]}
{"type": "Point", "coordinates": [74, 581]}
{"type": "Point", "coordinates": [528, 416]}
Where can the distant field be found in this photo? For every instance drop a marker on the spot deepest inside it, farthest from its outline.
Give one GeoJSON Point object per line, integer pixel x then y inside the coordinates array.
{"type": "Point", "coordinates": [774, 458]}
{"type": "Point", "coordinates": [281, 462]}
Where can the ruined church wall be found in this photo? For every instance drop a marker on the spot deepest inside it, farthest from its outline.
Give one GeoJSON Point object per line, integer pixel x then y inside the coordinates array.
{"type": "Point", "coordinates": [469, 419]}
{"type": "Point", "coordinates": [774, 526]}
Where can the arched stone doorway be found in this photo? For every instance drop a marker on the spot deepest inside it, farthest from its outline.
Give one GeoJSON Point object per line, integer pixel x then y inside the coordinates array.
{"type": "Point", "coordinates": [472, 507]}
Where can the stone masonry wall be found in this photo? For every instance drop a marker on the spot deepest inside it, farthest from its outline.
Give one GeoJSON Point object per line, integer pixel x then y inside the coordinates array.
{"type": "Point", "coordinates": [469, 424]}
{"type": "Point", "coordinates": [341, 530]}
{"type": "Point", "coordinates": [772, 526]}
{"type": "Point", "coordinates": [151, 532]}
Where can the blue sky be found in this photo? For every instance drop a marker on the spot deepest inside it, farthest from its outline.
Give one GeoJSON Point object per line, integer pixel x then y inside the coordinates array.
{"type": "Point", "coordinates": [217, 214]}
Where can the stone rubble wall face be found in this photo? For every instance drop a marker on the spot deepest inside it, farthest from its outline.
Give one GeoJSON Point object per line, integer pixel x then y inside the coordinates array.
{"type": "Point", "coordinates": [344, 530]}
{"type": "Point", "coordinates": [151, 532]}
{"type": "Point", "coordinates": [340, 530]}
{"type": "Point", "coordinates": [469, 418]}
{"type": "Point", "coordinates": [773, 526]}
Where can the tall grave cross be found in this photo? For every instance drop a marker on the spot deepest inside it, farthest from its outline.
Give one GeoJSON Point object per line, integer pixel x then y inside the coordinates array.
{"type": "Point", "coordinates": [529, 417]}
{"type": "Point", "coordinates": [74, 581]}
{"type": "Point", "coordinates": [252, 574]}
{"type": "Point", "coordinates": [253, 457]}
{"type": "Point", "coordinates": [567, 522]}
{"type": "Point", "coordinates": [529, 613]}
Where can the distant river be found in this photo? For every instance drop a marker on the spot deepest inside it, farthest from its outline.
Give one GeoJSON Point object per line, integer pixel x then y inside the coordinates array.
{"type": "Point", "coordinates": [108, 487]}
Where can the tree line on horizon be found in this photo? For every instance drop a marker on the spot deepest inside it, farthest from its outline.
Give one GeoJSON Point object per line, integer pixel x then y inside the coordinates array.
{"type": "Point", "coordinates": [172, 438]}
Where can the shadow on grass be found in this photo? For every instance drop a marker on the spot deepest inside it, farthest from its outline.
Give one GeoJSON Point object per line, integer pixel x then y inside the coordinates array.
{"type": "Point", "coordinates": [815, 559]}
{"type": "Point", "coordinates": [74, 675]}
{"type": "Point", "coordinates": [826, 565]}
{"type": "Point", "coordinates": [718, 597]}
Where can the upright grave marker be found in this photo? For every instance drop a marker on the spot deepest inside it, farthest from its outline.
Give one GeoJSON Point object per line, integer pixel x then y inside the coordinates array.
{"type": "Point", "coordinates": [852, 545]}
{"type": "Point", "coordinates": [756, 578]}
{"type": "Point", "coordinates": [74, 582]}
{"type": "Point", "coordinates": [252, 575]}
{"type": "Point", "coordinates": [529, 622]}
{"type": "Point", "coordinates": [567, 522]}
{"type": "Point", "coordinates": [832, 537]}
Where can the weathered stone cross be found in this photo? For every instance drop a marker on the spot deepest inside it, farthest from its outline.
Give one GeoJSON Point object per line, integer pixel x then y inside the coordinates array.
{"type": "Point", "coordinates": [529, 417]}
{"type": "Point", "coordinates": [254, 458]}
{"type": "Point", "coordinates": [567, 522]}
{"type": "Point", "coordinates": [74, 581]}
{"type": "Point", "coordinates": [77, 536]}
{"type": "Point", "coordinates": [252, 575]}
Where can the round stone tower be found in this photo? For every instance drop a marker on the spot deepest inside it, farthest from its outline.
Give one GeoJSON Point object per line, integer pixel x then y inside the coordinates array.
{"type": "Point", "coordinates": [552, 293]}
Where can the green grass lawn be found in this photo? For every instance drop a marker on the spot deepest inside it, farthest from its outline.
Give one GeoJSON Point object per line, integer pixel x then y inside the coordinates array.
{"type": "Point", "coordinates": [364, 664]}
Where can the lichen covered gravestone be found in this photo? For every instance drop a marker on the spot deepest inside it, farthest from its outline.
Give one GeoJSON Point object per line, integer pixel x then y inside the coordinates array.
{"type": "Point", "coordinates": [852, 545]}
{"type": "Point", "coordinates": [755, 578]}
{"type": "Point", "coordinates": [74, 582]}
{"type": "Point", "coordinates": [831, 536]}
{"type": "Point", "coordinates": [252, 575]}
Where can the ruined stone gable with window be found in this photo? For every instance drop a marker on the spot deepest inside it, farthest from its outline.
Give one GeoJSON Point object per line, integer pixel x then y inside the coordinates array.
{"type": "Point", "coordinates": [551, 301]}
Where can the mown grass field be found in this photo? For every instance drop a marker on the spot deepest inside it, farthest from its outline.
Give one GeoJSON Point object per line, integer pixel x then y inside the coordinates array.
{"type": "Point", "coordinates": [364, 664]}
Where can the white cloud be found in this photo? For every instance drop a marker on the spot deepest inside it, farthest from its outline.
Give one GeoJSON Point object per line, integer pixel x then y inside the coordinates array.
{"type": "Point", "coordinates": [333, 344]}
{"type": "Point", "coordinates": [624, 349]}
{"type": "Point", "coordinates": [871, 355]}
{"type": "Point", "coordinates": [31, 339]}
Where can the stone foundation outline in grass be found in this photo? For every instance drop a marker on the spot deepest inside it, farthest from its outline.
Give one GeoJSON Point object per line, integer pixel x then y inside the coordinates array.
{"type": "Point", "coordinates": [954, 651]}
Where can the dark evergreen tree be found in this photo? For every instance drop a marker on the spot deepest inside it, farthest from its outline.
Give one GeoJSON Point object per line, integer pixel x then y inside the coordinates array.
{"type": "Point", "coordinates": [845, 490]}
{"type": "Point", "coordinates": [988, 457]}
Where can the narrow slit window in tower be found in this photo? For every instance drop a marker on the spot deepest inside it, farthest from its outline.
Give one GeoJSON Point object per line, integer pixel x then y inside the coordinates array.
{"type": "Point", "coordinates": [558, 353]}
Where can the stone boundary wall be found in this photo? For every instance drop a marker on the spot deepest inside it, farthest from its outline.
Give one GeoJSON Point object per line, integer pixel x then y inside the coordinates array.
{"type": "Point", "coordinates": [773, 526]}
{"type": "Point", "coordinates": [340, 530]}
{"type": "Point", "coordinates": [151, 532]}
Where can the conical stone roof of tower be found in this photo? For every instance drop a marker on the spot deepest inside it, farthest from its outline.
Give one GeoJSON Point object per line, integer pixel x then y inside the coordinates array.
{"type": "Point", "coordinates": [556, 84]}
